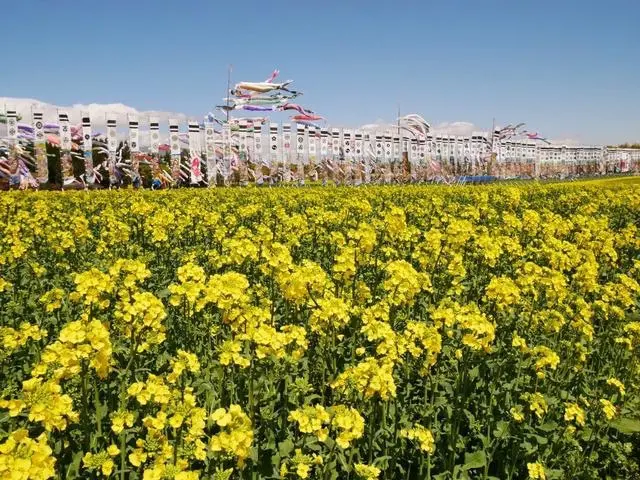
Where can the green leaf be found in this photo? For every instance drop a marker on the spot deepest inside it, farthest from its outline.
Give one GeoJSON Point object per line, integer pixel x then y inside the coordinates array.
{"type": "Point", "coordinates": [74, 467]}
{"type": "Point", "coordinates": [552, 474]}
{"type": "Point", "coordinates": [548, 426]}
{"type": "Point", "coordinates": [474, 460]}
{"type": "Point", "coordinates": [502, 429]}
{"type": "Point", "coordinates": [285, 447]}
{"type": "Point", "coordinates": [540, 440]}
{"type": "Point", "coordinates": [165, 293]}
{"type": "Point", "coordinates": [626, 425]}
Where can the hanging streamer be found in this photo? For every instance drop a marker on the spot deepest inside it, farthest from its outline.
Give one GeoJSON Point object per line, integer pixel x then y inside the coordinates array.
{"type": "Point", "coordinates": [158, 177]}
{"type": "Point", "coordinates": [347, 146]}
{"type": "Point", "coordinates": [12, 134]}
{"type": "Point", "coordinates": [367, 160]}
{"type": "Point", "coordinates": [65, 149]}
{"type": "Point", "coordinates": [174, 143]}
{"type": "Point", "coordinates": [380, 147]}
{"type": "Point", "coordinates": [195, 169]}
{"type": "Point", "coordinates": [40, 148]}
{"type": "Point", "coordinates": [87, 149]}
{"type": "Point", "coordinates": [358, 158]}
{"type": "Point", "coordinates": [227, 161]}
{"type": "Point", "coordinates": [422, 149]}
{"type": "Point", "coordinates": [274, 151]}
{"type": "Point", "coordinates": [324, 156]}
{"type": "Point", "coordinates": [299, 169]}
{"type": "Point", "coordinates": [258, 154]}
{"type": "Point", "coordinates": [134, 149]}
{"type": "Point", "coordinates": [210, 148]}
{"type": "Point", "coordinates": [336, 169]}
{"type": "Point", "coordinates": [112, 146]}
{"type": "Point", "coordinates": [251, 162]}
{"type": "Point", "coordinates": [413, 158]}
{"type": "Point", "coordinates": [286, 153]}
{"type": "Point", "coordinates": [385, 158]}
{"type": "Point", "coordinates": [242, 153]}
{"type": "Point", "coordinates": [396, 148]}
{"type": "Point", "coordinates": [313, 153]}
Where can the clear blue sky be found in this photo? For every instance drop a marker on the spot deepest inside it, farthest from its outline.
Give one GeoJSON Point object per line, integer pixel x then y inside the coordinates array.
{"type": "Point", "coordinates": [567, 68]}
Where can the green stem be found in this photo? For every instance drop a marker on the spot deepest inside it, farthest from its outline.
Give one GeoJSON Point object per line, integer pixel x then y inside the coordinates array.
{"type": "Point", "coordinates": [123, 453]}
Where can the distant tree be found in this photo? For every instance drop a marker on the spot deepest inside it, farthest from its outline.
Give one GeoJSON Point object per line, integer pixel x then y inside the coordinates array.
{"type": "Point", "coordinates": [626, 145]}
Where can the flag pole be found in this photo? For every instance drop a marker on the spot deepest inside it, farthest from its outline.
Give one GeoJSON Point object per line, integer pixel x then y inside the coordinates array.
{"type": "Point", "coordinates": [228, 89]}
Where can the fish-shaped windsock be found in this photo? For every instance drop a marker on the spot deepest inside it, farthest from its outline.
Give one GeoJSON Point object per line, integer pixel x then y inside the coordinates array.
{"type": "Point", "coordinates": [261, 87]}
{"type": "Point", "coordinates": [306, 118]}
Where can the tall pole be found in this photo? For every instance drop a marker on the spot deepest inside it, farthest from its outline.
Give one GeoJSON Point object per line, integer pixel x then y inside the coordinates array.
{"type": "Point", "coordinates": [228, 89]}
{"type": "Point", "coordinates": [493, 139]}
{"type": "Point", "coordinates": [395, 173]}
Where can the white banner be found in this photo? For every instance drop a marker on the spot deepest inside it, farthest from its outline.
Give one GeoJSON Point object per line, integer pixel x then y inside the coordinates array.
{"type": "Point", "coordinates": [174, 145]}
{"type": "Point", "coordinates": [210, 150]}
{"type": "Point", "coordinates": [174, 137]}
{"type": "Point", "coordinates": [396, 148]}
{"type": "Point", "coordinates": [87, 148]}
{"type": "Point", "coordinates": [112, 135]}
{"type": "Point", "coordinates": [40, 145]}
{"type": "Point", "coordinates": [284, 156]}
{"type": "Point", "coordinates": [65, 132]}
{"type": "Point", "coordinates": [313, 145]}
{"type": "Point", "coordinates": [301, 148]}
{"type": "Point", "coordinates": [335, 143]}
{"type": "Point", "coordinates": [154, 136]}
{"type": "Point", "coordinates": [12, 123]}
{"type": "Point", "coordinates": [195, 168]}
{"type": "Point", "coordinates": [134, 143]}
{"type": "Point", "coordinates": [258, 154]}
{"type": "Point", "coordinates": [388, 147]}
{"type": "Point", "coordinates": [227, 153]}
{"type": "Point", "coordinates": [379, 147]}
{"type": "Point", "coordinates": [324, 144]}
{"type": "Point", "coordinates": [66, 164]}
{"type": "Point", "coordinates": [347, 143]}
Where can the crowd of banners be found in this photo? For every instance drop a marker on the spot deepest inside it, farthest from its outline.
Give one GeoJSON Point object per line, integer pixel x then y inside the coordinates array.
{"type": "Point", "coordinates": [257, 151]}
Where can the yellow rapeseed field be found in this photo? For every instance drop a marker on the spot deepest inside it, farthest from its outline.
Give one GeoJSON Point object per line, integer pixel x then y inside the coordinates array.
{"type": "Point", "coordinates": [410, 332]}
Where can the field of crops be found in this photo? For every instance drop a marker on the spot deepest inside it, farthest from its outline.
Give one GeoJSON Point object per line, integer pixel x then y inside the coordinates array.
{"type": "Point", "coordinates": [414, 332]}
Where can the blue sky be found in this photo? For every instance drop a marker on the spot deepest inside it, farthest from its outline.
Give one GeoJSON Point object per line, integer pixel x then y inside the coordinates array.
{"type": "Point", "coordinates": [569, 69]}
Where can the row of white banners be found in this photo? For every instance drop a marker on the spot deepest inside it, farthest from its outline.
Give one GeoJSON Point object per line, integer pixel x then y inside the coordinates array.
{"type": "Point", "coordinates": [297, 146]}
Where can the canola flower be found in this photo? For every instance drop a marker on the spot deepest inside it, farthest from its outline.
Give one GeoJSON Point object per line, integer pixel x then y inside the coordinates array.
{"type": "Point", "coordinates": [22, 457]}
{"type": "Point", "coordinates": [536, 471]}
{"type": "Point", "coordinates": [375, 332]}
{"type": "Point", "coordinates": [367, 472]}
{"type": "Point", "coordinates": [422, 436]}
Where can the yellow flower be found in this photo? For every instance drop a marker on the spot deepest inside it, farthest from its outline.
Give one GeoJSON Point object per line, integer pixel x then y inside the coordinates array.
{"type": "Point", "coordinates": [422, 435]}
{"type": "Point", "coordinates": [536, 471]}
{"type": "Point", "coordinates": [311, 419]}
{"type": "Point", "coordinates": [618, 384]}
{"type": "Point", "coordinates": [503, 291]}
{"type": "Point", "coordinates": [572, 411]}
{"type": "Point", "coordinates": [369, 377]}
{"type": "Point", "coordinates": [302, 470]}
{"type": "Point", "coordinates": [537, 403]}
{"type": "Point", "coordinates": [348, 424]}
{"type": "Point", "coordinates": [137, 457]}
{"type": "Point", "coordinates": [22, 457]}
{"type": "Point", "coordinates": [517, 413]}
{"type": "Point", "coordinates": [519, 343]}
{"type": "Point", "coordinates": [101, 461]}
{"type": "Point", "coordinates": [120, 419]}
{"type": "Point", "coordinates": [113, 450]}
{"type": "Point", "coordinates": [608, 409]}
{"type": "Point", "coordinates": [236, 433]}
{"type": "Point", "coordinates": [367, 472]}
